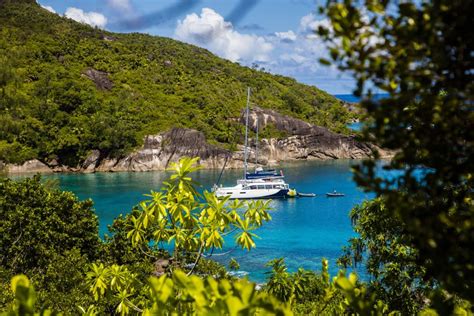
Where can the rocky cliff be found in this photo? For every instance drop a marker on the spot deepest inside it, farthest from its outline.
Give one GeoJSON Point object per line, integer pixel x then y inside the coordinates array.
{"type": "Point", "coordinates": [306, 142]}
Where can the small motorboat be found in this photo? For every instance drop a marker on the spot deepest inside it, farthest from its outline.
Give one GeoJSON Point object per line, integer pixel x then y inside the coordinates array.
{"type": "Point", "coordinates": [306, 194]}
{"type": "Point", "coordinates": [334, 194]}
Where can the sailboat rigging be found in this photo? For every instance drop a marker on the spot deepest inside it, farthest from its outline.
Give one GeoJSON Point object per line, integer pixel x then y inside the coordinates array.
{"type": "Point", "coordinates": [261, 184]}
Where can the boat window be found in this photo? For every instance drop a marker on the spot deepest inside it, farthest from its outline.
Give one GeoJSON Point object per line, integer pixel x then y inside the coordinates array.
{"type": "Point", "coordinates": [253, 187]}
{"type": "Point", "coordinates": [268, 187]}
{"type": "Point", "coordinates": [260, 187]}
{"type": "Point", "coordinates": [243, 192]}
{"type": "Point", "coordinates": [229, 193]}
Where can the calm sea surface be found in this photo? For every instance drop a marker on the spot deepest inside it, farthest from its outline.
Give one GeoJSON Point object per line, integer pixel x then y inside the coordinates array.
{"type": "Point", "coordinates": [357, 126]}
{"type": "Point", "coordinates": [303, 230]}
{"type": "Point", "coordinates": [353, 99]}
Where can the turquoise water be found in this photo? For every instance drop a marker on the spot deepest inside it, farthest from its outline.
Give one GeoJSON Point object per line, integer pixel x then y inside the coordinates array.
{"type": "Point", "coordinates": [302, 230]}
{"type": "Point", "coordinates": [356, 126]}
{"type": "Point", "coordinates": [353, 99]}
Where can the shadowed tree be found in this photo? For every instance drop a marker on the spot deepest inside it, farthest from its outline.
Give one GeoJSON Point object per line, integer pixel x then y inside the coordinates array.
{"type": "Point", "coordinates": [421, 55]}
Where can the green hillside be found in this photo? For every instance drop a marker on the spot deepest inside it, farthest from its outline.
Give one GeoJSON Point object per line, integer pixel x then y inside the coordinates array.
{"type": "Point", "coordinates": [67, 88]}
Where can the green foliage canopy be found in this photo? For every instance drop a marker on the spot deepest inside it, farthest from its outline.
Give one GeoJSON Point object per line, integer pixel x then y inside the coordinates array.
{"type": "Point", "coordinates": [67, 88]}
{"type": "Point", "coordinates": [38, 223]}
{"type": "Point", "coordinates": [49, 235]}
{"type": "Point", "coordinates": [383, 248]}
{"type": "Point", "coordinates": [421, 54]}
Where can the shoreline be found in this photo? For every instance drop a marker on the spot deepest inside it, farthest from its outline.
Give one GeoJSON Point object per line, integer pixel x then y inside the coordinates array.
{"type": "Point", "coordinates": [280, 164]}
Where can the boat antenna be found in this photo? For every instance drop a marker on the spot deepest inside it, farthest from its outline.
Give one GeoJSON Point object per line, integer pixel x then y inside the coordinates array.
{"type": "Point", "coordinates": [256, 146]}
{"type": "Point", "coordinates": [246, 132]}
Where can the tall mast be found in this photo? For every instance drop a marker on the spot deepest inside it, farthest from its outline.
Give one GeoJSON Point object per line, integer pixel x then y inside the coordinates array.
{"type": "Point", "coordinates": [246, 131]}
{"type": "Point", "coordinates": [256, 147]}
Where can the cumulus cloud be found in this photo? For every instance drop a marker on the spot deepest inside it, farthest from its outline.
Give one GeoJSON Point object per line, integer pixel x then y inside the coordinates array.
{"type": "Point", "coordinates": [120, 5]}
{"type": "Point", "coordinates": [49, 8]}
{"type": "Point", "coordinates": [296, 54]}
{"type": "Point", "coordinates": [210, 30]}
{"type": "Point", "coordinates": [91, 18]}
{"type": "Point", "coordinates": [309, 24]}
{"type": "Point", "coordinates": [287, 37]}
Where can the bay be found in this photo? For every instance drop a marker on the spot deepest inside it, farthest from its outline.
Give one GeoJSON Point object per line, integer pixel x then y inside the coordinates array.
{"type": "Point", "coordinates": [355, 126]}
{"type": "Point", "coordinates": [302, 230]}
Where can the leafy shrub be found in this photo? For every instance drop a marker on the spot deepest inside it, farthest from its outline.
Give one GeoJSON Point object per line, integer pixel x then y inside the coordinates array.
{"type": "Point", "coordinates": [15, 152]}
{"type": "Point", "coordinates": [49, 235]}
{"type": "Point", "coordinates": [38, 223]}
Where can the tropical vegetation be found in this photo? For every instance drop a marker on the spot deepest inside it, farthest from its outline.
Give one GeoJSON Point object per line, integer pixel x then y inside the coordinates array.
{"type": "Point", "coordinates": [67, 88]}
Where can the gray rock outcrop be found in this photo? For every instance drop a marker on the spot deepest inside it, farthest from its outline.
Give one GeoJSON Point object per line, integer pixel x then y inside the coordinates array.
{"type": "Point", "coordinates": [306, 142]}
{"type": "Point", "coordinates": [159, 151]}
{"type": "Point", "coordinates": [100, 78]}
{"type": "Point", "coordinates": [91, 162]}
{"type": "Point", "coordinates": [281, 122]}
{"type": "Point", "coordinates": [30, 166]}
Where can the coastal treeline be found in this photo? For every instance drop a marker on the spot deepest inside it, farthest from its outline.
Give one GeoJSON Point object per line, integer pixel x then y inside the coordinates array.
{"type": "Point", "coordinates": [67, 88]}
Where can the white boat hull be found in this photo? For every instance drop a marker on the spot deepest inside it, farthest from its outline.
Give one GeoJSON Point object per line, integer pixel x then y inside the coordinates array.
{"type": "Point", "coordinates": [253, 191]}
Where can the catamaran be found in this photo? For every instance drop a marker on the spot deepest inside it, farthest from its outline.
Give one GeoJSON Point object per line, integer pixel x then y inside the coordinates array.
{"type": "Point", "coordinates": [261, 184]}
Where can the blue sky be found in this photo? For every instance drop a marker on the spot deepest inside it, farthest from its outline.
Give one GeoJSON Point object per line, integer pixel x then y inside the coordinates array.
{"type": "Point", "coordinates": [275, 34]}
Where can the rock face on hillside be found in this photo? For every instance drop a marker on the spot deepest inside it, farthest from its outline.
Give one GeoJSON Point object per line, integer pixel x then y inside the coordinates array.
{"type": "Point", "coordinates": [29, 166]}
{"type": "Point", "coordinates": [307, 142]}
{"type": "Point", "coordinates": [160, 150]}
{"type": "Point", "coordinates": [100, 78]}
{"type": "Point", "coordinates": [281, 122]}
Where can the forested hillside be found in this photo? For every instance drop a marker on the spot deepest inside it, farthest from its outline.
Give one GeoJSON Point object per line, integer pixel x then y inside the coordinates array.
{"type": "Point", "coordinates": [67, 88]}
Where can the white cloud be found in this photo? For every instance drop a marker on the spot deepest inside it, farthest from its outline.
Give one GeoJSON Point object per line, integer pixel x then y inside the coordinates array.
{"type": "Point", "coordinates": [49, 8]}
{"type": "Point", "coordinates": [120, 5]}
{"type": "Point", "coordinates": [296, 54]}
{"type": "Point", "coordinates": [91, 18]}
{"type": "Point", "coordinates": [210, 30]}
{"type": "Point", "coordinates": [286, 37]}
{"type": "Point", "coordinates": [309, 24]}
{"type": "Point", "coordinates": [294, 58]}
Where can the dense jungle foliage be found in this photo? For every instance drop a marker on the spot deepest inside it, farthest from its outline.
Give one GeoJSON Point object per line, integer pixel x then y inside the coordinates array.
{"type": "Point", "coordinates": [67, 88]}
